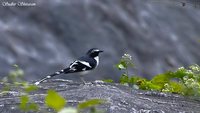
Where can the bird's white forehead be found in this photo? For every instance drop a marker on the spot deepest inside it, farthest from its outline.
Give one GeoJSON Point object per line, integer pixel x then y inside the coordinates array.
{"type": "Point", "coordinates": [96, 50]}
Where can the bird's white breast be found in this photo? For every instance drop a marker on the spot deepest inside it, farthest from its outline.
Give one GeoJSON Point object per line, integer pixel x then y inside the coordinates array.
{"type": "Point", "coordinates": [97, 60]}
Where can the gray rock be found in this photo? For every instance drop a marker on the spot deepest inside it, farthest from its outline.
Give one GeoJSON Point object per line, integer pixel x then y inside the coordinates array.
{"type": "Point", "coordinates": [46, 38]}
{"type": "Point", "coordinates": [120, 99]}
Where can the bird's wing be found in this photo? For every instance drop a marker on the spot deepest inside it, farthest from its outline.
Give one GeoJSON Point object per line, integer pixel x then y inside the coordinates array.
{"type": "Point", "coordinates": [82, 64]}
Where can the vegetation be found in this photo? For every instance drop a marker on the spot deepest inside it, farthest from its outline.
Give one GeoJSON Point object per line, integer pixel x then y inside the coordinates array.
{"type": "Point", "coordinates": [183, 81]}
{"type": "Point", "coordinates": [15, 79]}
{"type": "Point", "coordinates": [58, 103]}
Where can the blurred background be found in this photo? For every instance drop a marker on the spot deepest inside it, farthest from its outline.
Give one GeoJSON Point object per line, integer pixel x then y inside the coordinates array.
{"type": "Point", "coordinates": [160, 35]}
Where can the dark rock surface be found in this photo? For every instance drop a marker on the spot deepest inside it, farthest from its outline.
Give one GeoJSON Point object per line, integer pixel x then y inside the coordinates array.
{"type": "Point", "coordinates": [120, 99]}
{"type": "Point", "coordinates": [45, 38]}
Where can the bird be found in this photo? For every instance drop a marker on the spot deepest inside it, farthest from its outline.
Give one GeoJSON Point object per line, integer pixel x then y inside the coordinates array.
{"type": "Point", "coordinates": [84, 64]}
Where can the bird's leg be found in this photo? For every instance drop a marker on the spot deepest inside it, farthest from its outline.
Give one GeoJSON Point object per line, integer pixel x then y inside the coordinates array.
{"type": "Point", "coordinates": [82, 79]}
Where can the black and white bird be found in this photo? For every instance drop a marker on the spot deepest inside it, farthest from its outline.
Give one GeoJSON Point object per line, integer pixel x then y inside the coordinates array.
{"type": "Point", "coordinates": [83, 64]}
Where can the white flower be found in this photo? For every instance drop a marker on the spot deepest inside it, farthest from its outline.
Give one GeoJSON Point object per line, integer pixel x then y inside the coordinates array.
{"type": "Point", "coordinates": [181, 68]}
{"type": "Point", "coordinates": [127, 56]}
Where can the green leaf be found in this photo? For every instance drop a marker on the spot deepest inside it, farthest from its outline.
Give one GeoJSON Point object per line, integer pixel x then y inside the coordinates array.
{"type": "Point", "coordinates": [90, 103]}
{"type": "Point", "coordinates": [124, 64]}
{"type": "Point", "coordinates": [30, 88]}
{"type": "Point", "coordinates": [160, 79]}
{"type": "Point", "coordinates": [143, 84]}
{"type": "Point", "coordinates": [33, 106]}
{"type": "Point", "coordinates": [25, 105]}
{"type": "Point", "coordinates": [120, 66]}
{"type": "Point", "coordinates": [152, 86]}
{"type": "Point", "coordinates": [23, 102]}
{"type": "Point", "coordinates": [54, 100]}
{"type": "Point", "coordinates": [16, 75]}
{"type": "Point", "coordinates": [176, 87]}
{"type": "Point", "coordinates": [134, 79]}
{"type": "Point", "coordinates": [180, 73]}
{"type": "Point", "coordinates": [124, 79]}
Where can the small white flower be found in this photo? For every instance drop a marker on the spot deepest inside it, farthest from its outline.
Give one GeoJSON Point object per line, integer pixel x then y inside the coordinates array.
{"type": "Point", "coordinates": [127, 56]}
{"type": "Point", "coordinates": [181, 68]}
{"type": "Point", "coordinates": [195, 68]}
{"type": "Point", "coordinates": [189, 72]}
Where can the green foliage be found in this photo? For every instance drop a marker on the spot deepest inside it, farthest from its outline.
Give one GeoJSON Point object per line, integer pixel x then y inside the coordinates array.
{"type": "Point", "coordinates": [30, 88]}
{"type": "Point", "coordinates": [26, 105]}
{"type": "Point", "coordinates": [182, 81]}
{"type": "Point", "coordinates": [57, 102]}
{"type": "Point", "coordinates": [90, 103]}
{"type": "Point", "coordinates": [124, 79]}
{"type": "Point", "coordinates": [54, 100]}
{"type": "Point", "coordinates": [59, 105]}
{"type": "Point", "coordinates": [14, 76]}
{"type": "Point", "coordinates": [15, 79]}
{"type": "Point", "coordinates": [24, 102]}
{"type": "Point", "coordinates": [189, 79]}
{"type": "Point", "coordinates": [173, 87]}
{"type": "Point", "coordinates": [125, 63]}
{"type": "Point", "coordinates": [158, 81]}
{"type": "Point", "coordinates": [135, 80]}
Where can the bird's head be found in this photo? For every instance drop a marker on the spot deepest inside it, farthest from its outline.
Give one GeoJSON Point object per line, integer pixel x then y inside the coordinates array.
{"type": "Point", "coordinates": [94, 52]}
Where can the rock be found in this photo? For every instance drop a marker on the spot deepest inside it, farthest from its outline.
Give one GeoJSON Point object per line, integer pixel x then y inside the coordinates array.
{"type": "Point", "coordinates": [48, 37]}
{"type": "Point", "coordinates": [120, 99]}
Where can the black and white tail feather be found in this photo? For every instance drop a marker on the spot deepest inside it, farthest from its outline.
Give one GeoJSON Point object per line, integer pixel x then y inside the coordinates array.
{"type": "Point", "coordinates": [82, 64]}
